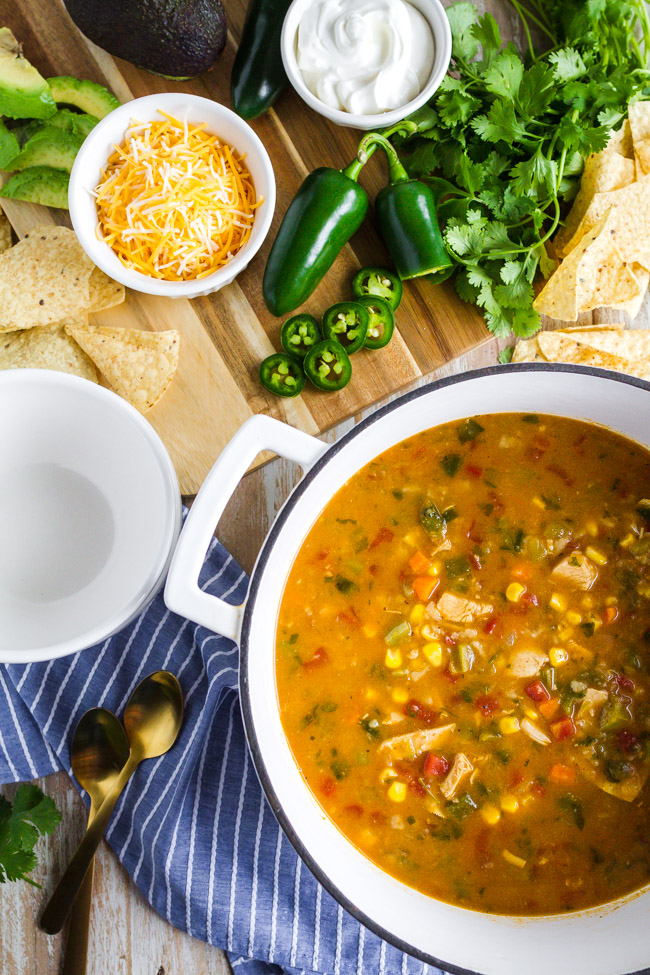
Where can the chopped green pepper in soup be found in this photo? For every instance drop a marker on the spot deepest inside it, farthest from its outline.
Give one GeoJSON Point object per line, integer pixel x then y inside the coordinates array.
{"type": "Point", "coordinates": [463, 663]}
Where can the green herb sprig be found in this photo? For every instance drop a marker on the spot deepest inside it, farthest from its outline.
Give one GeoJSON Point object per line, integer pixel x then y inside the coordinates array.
{"type": "Point", "coordinates": [503, 142]}
{"type": "Point", "coordinates": [31, 815]}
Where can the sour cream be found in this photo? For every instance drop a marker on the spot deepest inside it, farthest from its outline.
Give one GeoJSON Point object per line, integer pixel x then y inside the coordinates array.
{"type": "Point", "coordinates": [364, 56]}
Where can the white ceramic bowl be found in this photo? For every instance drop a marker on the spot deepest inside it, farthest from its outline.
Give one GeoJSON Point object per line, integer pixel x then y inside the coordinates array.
{"type": "Point", "coordinates": [608, 940]}
{"type": "Point", "coordinates": [98, 146]}
{"type": "Point", "coordinates": [89, 514]}
{"type": "Point", "coordinates": [432, 11]}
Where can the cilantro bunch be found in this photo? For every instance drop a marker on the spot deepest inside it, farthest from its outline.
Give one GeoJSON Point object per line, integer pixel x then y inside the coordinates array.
{"type": "Point", "coordinates": [32, 815]}
{"type": "Point", "coordinates": [503, 142]}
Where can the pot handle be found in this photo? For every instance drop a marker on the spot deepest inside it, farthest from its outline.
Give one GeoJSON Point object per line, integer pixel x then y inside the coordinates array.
{"type": "Point", "coordinates": [182, 593]}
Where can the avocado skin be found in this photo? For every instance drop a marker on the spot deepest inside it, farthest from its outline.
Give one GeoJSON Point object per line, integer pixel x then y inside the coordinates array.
{"type": "Point", "coordinates": [175, 38]}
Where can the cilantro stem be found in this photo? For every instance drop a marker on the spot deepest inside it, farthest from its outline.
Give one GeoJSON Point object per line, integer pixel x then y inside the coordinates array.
{"type": "Point", "coordinates": [524, 22]}
{"type": "Point", "coordinates": [644, 20]}
{"type": "Point", "coordinates": [523, 13]}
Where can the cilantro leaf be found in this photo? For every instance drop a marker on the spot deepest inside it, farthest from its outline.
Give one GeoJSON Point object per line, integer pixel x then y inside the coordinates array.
{"type": "Point", "coordinates": [32, 815]}
{"type": "Point", "coordinates": [536, 91]}
{"type": "Point", "coordinates": [454, 103]}
{"type": "Point", "coordinates": [470, 175]}
{"type": "Point", "coordinates": [567, 64]}
{"type": "Point", "coordinates": [462, 17]}
{"type": "Point", "coordinates": [534, 176]}
{"type": "Point", "coordinates": [505, 355]}
{"type": "Point", "coordinates": [501, 124]}
{"type": "Point", "coordinates": [503, 78]}
{"type": "Point", "coordinates": [486, 32]}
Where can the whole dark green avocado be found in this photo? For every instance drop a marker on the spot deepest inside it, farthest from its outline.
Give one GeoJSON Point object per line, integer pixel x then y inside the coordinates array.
{"type": "Point", "coordinates": [178, 39]}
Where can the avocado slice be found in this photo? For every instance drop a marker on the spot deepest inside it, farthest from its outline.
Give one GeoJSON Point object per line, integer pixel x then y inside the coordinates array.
{"type": "Point", "coordinates": [79, 123]}
{"type": "Point", "coordinates": [178, 39]}
{"type": "Point", "coordinates": [89, 96]}
{"type": "Point", "coordinates": [40, 184]}
{"type": "Point", "coordinates": [49, 146]}
{"type": "Point", "coordinates": [9, 147]}
{"type": "Point", "coordinates": [24, 93]}
{"type": "Point", "coordinates": [24, 128]}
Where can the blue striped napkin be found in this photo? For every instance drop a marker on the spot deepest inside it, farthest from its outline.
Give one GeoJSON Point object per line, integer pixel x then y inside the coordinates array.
{"type": "Point", "coordinates": [193, 828]}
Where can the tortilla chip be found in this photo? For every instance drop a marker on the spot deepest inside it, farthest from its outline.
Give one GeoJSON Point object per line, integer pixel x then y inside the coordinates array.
{"type": "Point", "coordinates": [591, 328]}
{"type": "Point", "coordinates": [621, 141]}
{"type": "Point", "coordinates": [6, 239]}
{"type": "Point", "coordinates": [45, 347]}
{"type": "Point", "coordinates": [138, 365]}
{"type": "Point", "coordinates": [638, 114]}
{"type": "Point", "coordinates": [634, 305]}
{"type": "Point", "coordinates": [43, 279]}
{"type": "Point", "coordinates": [591, 276]}
{"type": "Point", "coordinates": [558, 347]}
{"type": "Point", "coordinates": [631, 345]}
{"type": "Point", "coordinates": [528, 350]}
{"type": "Point", "coordinates": [603, 279]}
{"type": "Point", "coordinates": [642, 156]}
{"type": "Point", "coordinates": [604, 171]}
{"type": "Point", "coordinates": [104, 292]}
{"type": "Point", "coordinates": [631, 206]}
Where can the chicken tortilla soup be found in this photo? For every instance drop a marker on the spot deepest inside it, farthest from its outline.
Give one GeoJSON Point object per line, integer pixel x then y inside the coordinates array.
{"type": "Point", "coordinates": [463, 663]}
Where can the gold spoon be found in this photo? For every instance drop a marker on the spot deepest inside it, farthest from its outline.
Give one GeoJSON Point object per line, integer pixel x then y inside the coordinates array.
{"type": "Point", "coordinates": [98, 753]}
{"type": "Point", "coordinates": [152, 718]}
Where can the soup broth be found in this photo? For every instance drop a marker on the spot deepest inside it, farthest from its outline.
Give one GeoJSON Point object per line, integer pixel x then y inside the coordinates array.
{"type": "Point", "coordinates": [463, 663]}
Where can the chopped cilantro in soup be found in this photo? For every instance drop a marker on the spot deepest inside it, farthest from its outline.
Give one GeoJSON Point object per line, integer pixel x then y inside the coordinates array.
{"type": "Point", "coordinates": [463, 663]}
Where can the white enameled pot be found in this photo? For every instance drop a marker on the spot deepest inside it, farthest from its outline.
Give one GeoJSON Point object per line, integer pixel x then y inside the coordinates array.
{"type": "Point", "coordinates": [609, 940]}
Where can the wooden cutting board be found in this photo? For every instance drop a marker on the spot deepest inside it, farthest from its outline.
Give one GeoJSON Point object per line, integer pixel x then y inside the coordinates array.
{"type": "Point", "coordinates": [225, 336]}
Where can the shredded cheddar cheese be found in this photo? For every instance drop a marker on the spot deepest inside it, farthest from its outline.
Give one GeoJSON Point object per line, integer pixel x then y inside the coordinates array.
{"type": "Point", "coordinates": [175, 202]}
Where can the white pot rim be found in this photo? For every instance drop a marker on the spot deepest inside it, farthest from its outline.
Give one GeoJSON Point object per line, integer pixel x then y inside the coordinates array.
{"type": "Point", "coordinates": [255, 585]}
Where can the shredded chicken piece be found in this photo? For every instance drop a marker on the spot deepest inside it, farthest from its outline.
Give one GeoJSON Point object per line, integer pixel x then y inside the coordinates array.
{"type": "Point", "coordinates": [527, 663]}
{"type": "Point", "coordinates": [576, 570]}
{"type": "Point", "coordinates": [590, 705]}
{"type": "Point", "coordinates": [443, 547]}
{"type": "Point", "coordinates": [459, 770]}
{"type": "Point", "coordinates": [534, 732]}
{"type": "Point", "coordinates": [413, 744]}
{"type": "Point", "coordinates": [393, 718]}
{"type": "Point", "coordinates": [457, 609]}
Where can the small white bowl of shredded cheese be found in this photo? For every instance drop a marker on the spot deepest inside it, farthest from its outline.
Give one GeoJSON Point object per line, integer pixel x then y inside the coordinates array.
{"type": "Point", "coordinates": [172, 194]}
{"type": "Point", "coordinates": [366, 64]}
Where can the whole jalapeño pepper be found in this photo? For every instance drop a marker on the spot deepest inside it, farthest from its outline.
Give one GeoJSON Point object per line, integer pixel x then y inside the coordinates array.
{"type": "Point", "coordinates": [406, 212]}
{"type": "Point", "coordinates": [326, 211]}
{"type": "Point", "coordinates": [258, 75]}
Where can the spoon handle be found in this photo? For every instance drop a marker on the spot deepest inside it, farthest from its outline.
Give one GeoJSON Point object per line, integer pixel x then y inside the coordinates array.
{"type": "Point", "coordinates": [60, 903]}
{"type": "Point", "coordinates": [75, 959]}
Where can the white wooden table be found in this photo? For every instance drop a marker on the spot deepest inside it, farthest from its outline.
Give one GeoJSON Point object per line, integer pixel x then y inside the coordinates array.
{"type": "Point", "coordinates": [127, 936]}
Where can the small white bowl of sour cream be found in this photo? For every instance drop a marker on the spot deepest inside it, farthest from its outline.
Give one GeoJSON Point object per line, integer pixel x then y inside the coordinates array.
{"type": "Point", "coordinates": [366, 64]}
